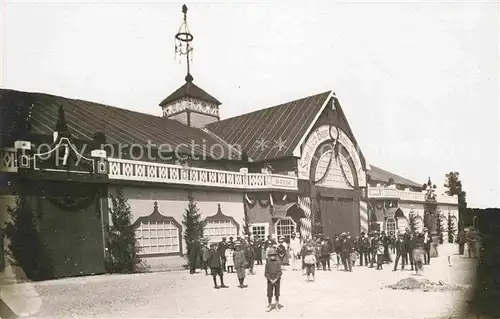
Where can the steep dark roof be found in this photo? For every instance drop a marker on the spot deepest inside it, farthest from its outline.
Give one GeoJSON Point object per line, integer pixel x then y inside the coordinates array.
{"type": "Point", "coordinates": [119, 125]}
{"type": "Point", "coordinates": [380, 175]}
{"type": "Point", "coordinates": [190, 89]}
{"type": "Point", "coordinates": [256, 133]}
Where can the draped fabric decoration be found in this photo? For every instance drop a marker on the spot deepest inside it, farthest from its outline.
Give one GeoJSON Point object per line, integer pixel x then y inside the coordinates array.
{"type": "Point", "coordinates": [305, 223]}
{"type": "Point", "coordinates": [271, 202]}
{"type": "Point", "coordinates": [251, 203]}
{"type": "Point", "coordinates": [363, 214]}
{"type": "Point", "coordinates": [264, 203]}
{"type": "Point", "coordinates": [284, 197]}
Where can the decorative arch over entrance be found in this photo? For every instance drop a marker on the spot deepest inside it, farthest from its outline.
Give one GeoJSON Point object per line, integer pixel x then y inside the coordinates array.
{"type": "Point", "coordinates": [324, 134]}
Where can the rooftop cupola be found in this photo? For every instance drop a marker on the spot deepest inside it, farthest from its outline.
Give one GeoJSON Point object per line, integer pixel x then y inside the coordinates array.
{"type": "Point", "coordinates": [189, 104]}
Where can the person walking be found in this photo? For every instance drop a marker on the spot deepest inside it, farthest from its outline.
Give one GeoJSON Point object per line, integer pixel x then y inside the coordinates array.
{"type": "Point", "coordinates": [379, 244]}
{"type": "Point", "coordinates": [240, 263]}
{"type": "Point", "coordinates": [410, 244]}
{"type": "Point", "coordinates": [471, 243]}
{"type": "Point", "coordinates": [193, 255]}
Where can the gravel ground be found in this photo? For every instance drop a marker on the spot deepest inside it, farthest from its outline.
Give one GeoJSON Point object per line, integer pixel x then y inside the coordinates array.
{"type": "Point", "coordinates": [360, 294]}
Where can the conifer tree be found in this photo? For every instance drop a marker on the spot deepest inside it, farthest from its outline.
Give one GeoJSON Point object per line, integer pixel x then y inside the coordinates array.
{"type": "Point", "coordinates": [193, 225]}
{"type": "Point", "coordinates": [26, 249]}
{"type": "Point", "coordinates": [121, 242]}
{"type": "Point", "coordinates": [412, 221]}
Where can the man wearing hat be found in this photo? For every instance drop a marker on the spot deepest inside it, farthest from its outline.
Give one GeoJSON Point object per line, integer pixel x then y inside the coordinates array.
{"type": "Point", "coordinates": [347, 249]}
{"type": "Point", "coordinates": [221, 248]}
{"type": "Point", "coordinates": [240, 263]}
{"type": "Point", "coordinates": [215, 264]}
{"type": "Point", "coordinates": [364, 248]}
{"type": "Point", "coordinates": [400, 252]}
{"type": "Point", "coordinates": [205, 255]}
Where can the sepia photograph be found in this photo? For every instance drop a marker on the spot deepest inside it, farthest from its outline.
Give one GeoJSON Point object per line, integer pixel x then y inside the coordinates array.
{"type": "Point", "coordinates": [249, 159]}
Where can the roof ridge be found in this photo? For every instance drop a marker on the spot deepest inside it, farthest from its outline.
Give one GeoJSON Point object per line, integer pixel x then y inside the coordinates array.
{"type": "Point", "coordinates": [273, 106]}
{"type": "Point", "coordinates": [76, 99]}
{"type": "Point", "coordinates": [391, 173]}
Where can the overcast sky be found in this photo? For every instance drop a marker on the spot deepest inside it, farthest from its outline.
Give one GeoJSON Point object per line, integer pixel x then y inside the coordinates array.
{"type": "Point", "coordinates": [419, 82]}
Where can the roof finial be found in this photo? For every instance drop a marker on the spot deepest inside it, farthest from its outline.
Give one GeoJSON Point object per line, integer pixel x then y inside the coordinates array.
{"type": "Point", "coordinates": [183, 46]}
{"type": "Point", "coordinates": [61, 125]}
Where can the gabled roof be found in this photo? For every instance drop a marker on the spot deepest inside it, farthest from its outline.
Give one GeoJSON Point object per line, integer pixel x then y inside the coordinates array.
{"type": "Point", "coordinates": [259, 134]}
{"type": "Point", "coordinates": [122, 126]}
{"type": "Point", "coordinates": [380, 175]}
{"type": "Point", "coordinates": [189, 89]}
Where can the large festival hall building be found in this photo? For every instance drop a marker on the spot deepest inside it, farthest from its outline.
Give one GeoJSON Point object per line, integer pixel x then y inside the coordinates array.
{"type": "Point", "coordinates": [293, 167]}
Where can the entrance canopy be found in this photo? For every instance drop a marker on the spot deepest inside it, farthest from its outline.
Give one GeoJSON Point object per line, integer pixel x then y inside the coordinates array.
{"type": "Point", "coordinates": [289, 210]}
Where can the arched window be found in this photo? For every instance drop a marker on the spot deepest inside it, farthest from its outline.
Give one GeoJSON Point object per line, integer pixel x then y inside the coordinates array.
{"type": "Point", "coordinates": [390, 226]}
{"type": "Point", "coordinates": [285, 227]}
{"type": "Point", "coordinates": [216, 229]}
{"type": "Point", "coordinates": [158, 237]}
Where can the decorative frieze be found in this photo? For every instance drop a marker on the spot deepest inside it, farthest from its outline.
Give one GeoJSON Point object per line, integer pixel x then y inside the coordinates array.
{"type": "Point", "coordinates": [188, 103]}
{"type": "Point", "coordinates": [383, 192]}
{"type": "Point", "coordinates": [120, 169]}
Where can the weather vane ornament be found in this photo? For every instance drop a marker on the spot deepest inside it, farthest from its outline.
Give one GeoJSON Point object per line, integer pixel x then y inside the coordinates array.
{"type": "Point", "coordinates": [183, 46]}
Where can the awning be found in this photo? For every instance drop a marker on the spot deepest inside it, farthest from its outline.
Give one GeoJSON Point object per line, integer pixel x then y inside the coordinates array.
{"type": "Point", "coordinates": [289, 210]}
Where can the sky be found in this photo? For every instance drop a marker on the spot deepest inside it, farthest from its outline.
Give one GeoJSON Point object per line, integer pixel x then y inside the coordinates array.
{"type": "Point", "coordinates": [418, 81]}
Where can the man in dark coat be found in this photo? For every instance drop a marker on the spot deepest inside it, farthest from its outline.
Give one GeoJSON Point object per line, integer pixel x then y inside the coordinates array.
{"type": "Point", "coordinates": [250, 256]}
{"type": "Point", "coordinates": [400, 252]}
{"type": "Point", "coordinates": [409, 245]}
{"type": "Point", "coordinates": [347, 247]}
{"type": "Point", "coordinates": [221, 249]}
{"type": "Point", "coordinates": [364, 249]}
{"type": "Point", "coordinates": [337, 246]}
{"type": "Point", "coordinates": [215, 264]}
{"type": "Point", "coordinates": [193, 255]}
{"type": "Point", "coordinates": [325, 254]}
{"type": "Point", "coordinates": [205, 255]}
{"type": "Point", "coordinates": [461, 241]}
{"type": "Point", "coordinates": [258, 245]}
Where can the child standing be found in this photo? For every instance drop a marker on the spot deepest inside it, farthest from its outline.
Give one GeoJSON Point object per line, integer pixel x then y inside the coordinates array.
{"type": "Point", "coordinates": [310, 261]}
{"type": "Point", "coordinates": [229, 258]}
{"type": "Point", "coordinates": [273, 275]}
{"type": "Point", "coordinates": [240, 263]}
{"type": "Point", "coordinates": [215, 264]}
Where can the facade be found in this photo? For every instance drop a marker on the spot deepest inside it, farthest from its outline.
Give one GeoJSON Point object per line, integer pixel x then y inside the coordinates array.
{"type": "Point", "coordinates": [293, 167]}
{"type": "Point", "coordinates": [286, 169]}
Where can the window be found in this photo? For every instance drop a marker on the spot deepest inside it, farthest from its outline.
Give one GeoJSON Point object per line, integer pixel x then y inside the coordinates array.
{"type": "Point", "coordinates": [260, 231]}
{"type": "Point", "coordinates": [216, 229]}
{"type": "Point", "coordinates": [285, 227]}
{"type": "Point", "coordinates": [159, 237]}
{"type": "Point", "coordinates": [390, 226]}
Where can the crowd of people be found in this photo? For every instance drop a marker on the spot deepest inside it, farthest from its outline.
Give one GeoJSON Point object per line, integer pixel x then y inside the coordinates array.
{"type": "Point", "coordinates": [371, 250]}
